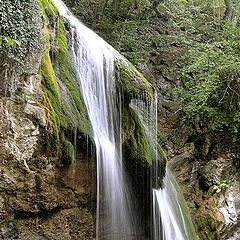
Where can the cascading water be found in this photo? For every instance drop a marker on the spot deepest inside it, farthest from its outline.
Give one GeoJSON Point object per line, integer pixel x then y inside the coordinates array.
{"type": "Point", "coordinates": [93, 60]}
{"type": "Point", "coordinates": [170, 217]}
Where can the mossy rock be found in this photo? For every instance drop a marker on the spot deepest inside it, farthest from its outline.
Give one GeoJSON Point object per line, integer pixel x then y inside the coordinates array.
{"type": "Point", "coordinates": [135, 142]}
{"type": "Point", "coordinates": [68, 154]}
{"type": "Point", "coordinates": [64, 102]}
{"type": "Point", "coordinates": [74, 109]}
{"type": "Point", "coordinates": [207, 228]}
{"type": "Point", "coordinates": [48, 8]}
{"type": "Point", "coordinates": [52, 98]}
{"type": "Point", "coordinates": [131, 80]}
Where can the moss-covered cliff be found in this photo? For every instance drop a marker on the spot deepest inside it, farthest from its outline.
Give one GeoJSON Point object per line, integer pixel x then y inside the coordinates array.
{"type": "Point", "coordinates": [65, 105]}
{"type": "Point", "coordinates": [41, 119]}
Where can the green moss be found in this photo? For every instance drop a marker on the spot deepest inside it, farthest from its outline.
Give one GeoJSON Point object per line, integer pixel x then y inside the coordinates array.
{"type": "Point", "coordinates": [78, 116]}
{"type": "Point", "coordinates": [50, 14]}
{"type": "Point", "coordinates": [68, 156]}
{"type": "Point", "coordinates": [48, 8]}
{"type": "Point", "coordinates": [132, 81]}
{"type": "Point", "coordinates": [64, 103]}
{"type": "Point", "coordinates": [207, 228]}
{"type": "Point", "coordinates": [135, 142]}
{"type": "Point", "coordinates": [51, 93]}
{"type": "Point", "coordinates": [49, 79]}
{"type": "Point", "coordinates": [48, 74]}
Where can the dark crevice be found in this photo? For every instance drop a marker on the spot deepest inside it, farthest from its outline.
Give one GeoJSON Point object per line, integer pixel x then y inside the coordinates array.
{"type": "Point", "coordinates": [44, 213]}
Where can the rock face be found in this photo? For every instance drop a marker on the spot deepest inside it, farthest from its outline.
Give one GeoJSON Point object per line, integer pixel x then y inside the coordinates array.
{"type": "Point", "coordinates": [40, 197]}
{"type": "Point", "coordinates": [209, 178]}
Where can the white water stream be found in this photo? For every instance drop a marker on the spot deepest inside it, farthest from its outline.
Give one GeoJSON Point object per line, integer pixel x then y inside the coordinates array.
{"type": "Point", "coordinates": [93, 60]}
{"type": "Point", "coordinates": [171, 220]}
{"type": "Point", "coordinates": [170, 217]}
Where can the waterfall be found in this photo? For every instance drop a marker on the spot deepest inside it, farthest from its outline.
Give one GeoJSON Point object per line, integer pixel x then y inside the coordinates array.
{"type": "Point", "coordinates": [170, 217]}
{"type": "Point", "coordinates": [93, 60]}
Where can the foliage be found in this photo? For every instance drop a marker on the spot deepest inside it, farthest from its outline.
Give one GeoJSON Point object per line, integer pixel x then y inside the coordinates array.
{"type": "Point", "coordinates": [207, 228]}
{"type": "Point", "coordinates": [20, 41]}
{"type": "Point", "coordinates": [210, 77]}
{"type": "Point", "coordinates": [221, 187]}
{"type": "Point", "coordinates": [206, 63]}
{"type": "Point", "coordinates": [20, 24]}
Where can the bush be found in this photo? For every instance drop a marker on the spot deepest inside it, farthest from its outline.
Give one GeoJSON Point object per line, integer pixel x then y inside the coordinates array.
{"type": "Point", "coordinates": [211, 88]}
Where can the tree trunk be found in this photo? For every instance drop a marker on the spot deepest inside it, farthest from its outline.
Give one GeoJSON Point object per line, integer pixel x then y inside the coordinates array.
{"type": "Point", "coordinates": [229, 10]}
{"type": "Point", "coordinates": [155, 3]}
